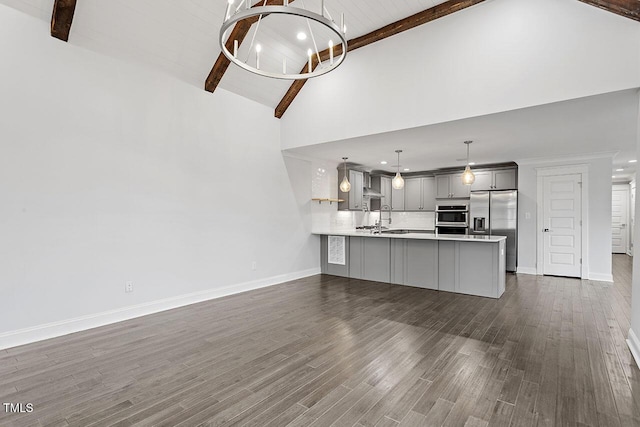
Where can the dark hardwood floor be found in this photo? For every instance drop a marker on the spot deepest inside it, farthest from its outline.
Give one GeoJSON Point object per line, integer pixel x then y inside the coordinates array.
{"type": "Point", "coordinates": [330, 351]}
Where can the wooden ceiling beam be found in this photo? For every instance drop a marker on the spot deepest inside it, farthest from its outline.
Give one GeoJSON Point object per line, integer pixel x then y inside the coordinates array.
{"type": "Point", "coordinates": [392, 29]}
{"type": "Point", "coordinates": [239, 32]}
{"type": "Point", "coordinates": [62, 18]}
{"type": "Point", "coordinates": [627, 8]}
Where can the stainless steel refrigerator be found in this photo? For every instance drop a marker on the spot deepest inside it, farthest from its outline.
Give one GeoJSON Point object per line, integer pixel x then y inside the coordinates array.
{"type": "Point", "coordinates": [495, 213]}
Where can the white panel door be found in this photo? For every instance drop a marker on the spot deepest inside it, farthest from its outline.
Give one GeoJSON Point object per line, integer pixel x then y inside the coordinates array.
{"type": "Point", "coordinates": [562, 218]}
{"type": "Point", "coordinates": [632, 215]}
{"type": "Point", "coordinates": [619, 220]}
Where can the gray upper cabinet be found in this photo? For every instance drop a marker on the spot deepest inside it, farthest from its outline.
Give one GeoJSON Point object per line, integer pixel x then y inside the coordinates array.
{"type": "Point", "coordinates": [420, 194]}
{"type": "Point", "coordinates": [451, 187]}
{"type": "Point", "coordinates": [412, 194]}
{"type": "Point", "coordinates": [458, 189]}
{"type": "Point", "coordinates": [397, 199]}
{"type": "Point", "coordinates": [483, 182]}
{"type": "Point", "coordinates": [353, 199]}
{"type": "Point", "coordinates": [429, 194]}
{"type": "Point", "coordinates": [499, 179]}
{"type": "Point", "coordinates": [442, 187]}
{"type": "Point", "coordinates": [355, 195]}
{"type": "Point", "coordinates": [505, 179]}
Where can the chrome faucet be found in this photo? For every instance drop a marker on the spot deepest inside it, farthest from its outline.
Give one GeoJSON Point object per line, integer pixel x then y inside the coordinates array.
{"type": "Point", "coordinates": [379, 222]}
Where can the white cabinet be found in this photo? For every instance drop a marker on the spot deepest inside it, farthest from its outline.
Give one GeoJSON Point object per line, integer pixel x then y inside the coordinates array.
{"type": "Point", "coordinates": [420, 194]}
{"type": "Point", "coordinates": [499, 179]}
{"type": "Point", "coordinates": [451, 187]}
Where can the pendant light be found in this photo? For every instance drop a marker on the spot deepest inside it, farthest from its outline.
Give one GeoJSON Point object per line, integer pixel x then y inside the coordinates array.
{"type": "Point", "coordinates": [398, 182]}
{"type": "Point", "coordinates": [467, 176]}
{"type": "Point", "coordinates": [345, 185]}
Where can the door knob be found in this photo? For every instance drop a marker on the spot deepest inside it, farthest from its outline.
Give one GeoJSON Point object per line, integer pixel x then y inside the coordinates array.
{"type": "Point", "coordinates": [546, 230]}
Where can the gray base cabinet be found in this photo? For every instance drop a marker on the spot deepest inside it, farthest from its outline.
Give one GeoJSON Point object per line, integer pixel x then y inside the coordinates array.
{"type": "Point", "coordinates": [472, 268]}
{"type": "Point", "coordinates": [366, 255]}
{"type": "Point", "coordinates": [415, 263]}
{"type": "Point", "coordinates": [467, 267]}
{"type": "Point", "coordinates": [333, 269]}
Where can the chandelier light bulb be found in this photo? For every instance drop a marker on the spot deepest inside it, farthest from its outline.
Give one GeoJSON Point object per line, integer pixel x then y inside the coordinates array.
{"type": "Point", "coordinates": [331, 52]}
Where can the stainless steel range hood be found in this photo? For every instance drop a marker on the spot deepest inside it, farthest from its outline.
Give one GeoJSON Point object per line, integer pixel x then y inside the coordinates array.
{"type": "Point", "coordinates": [367, 191]}
{"type": "Point", "coordinates": [371, 193]}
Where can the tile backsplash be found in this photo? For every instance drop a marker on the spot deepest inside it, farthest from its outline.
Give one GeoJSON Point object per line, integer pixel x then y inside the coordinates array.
{"type": "Point", "coordinates": [326, 216]}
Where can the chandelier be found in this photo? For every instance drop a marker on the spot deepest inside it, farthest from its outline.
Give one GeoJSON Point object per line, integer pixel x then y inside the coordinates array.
{"type": "Point", "coordinates": [316, 54]}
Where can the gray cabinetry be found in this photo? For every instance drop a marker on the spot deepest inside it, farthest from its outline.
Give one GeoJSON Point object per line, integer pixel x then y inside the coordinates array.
{"type": "Point", "coordinates": [499, 179]}
{"type": "Point", "coordinates": [458, 189]}
{"type": "Point", "coordinates": [451, 187]}
{"type": "Point", "coordinates": [414, 263]}
{"type": "Point", "coordinates": [353, 199]}
{"type": "Point", "coordinates": [505, 179]}
{"type": "Point", "coordinates": [472, 268]}
{"type": "Point", "coordinates": [420, 194]}
{"type": "Point", "coordinates": [412, 194]}
{"type": "Point", "coordinates": [333, 269]}
{"type": "Point", "coordinates": [442, 187]}
{"type": "Point", "coordinates": [483, 182]}
{"type": "Point", "coordinates": [462, 266]}
{"type": "Point", "coordinates": [369, 259]}
{"type": "Point", "coordinates": [355, 195]}
{"type": "Point", "coordinates": [428, 194]}
{"type": "Point", "coordinates": [397, 199]}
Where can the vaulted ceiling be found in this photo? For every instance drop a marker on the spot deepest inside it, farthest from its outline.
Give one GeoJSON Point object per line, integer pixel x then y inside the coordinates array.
{"type": "Point", "coordinates": [181, 38]}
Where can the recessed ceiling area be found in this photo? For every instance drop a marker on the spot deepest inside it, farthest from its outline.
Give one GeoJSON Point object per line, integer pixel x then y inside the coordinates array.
{"type": "Point", "coordinates": [595, 124]}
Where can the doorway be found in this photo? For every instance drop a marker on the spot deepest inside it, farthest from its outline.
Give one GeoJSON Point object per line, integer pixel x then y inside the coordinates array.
{"type": "Point", "coordinates": [562, 221]}
{"type": "Point", "coordinates": [620, 219]}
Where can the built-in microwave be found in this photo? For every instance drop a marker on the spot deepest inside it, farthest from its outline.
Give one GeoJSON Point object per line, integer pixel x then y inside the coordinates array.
{"type": "Point", "coordinates": [452, 216]}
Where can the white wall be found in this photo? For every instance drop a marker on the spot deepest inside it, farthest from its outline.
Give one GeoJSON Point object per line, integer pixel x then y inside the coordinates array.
{"type": "Point", "coordinates": [634, 332]}
{"type": "Point", "coordinates": [111, 172]}
{"type": "Point", "coordinates": [496, 56]}
{"type": "Point", "coordinates": [599, 213]}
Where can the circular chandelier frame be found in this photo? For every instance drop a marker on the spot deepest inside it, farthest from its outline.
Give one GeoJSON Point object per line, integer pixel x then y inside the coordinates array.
{"type": "Point", "coordinates": [258, 11]}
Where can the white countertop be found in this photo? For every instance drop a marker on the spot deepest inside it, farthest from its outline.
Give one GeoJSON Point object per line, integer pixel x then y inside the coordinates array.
{"type": "Point", "coordinates": [417, 236]}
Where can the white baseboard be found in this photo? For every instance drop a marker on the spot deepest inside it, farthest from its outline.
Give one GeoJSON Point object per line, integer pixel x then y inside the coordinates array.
{"type": "Point", "coordinates": [68, 326]}
{"type": "Point", "coordinates": [601, 277]}
{"type": "Point", "coordinates": [526, 270]}
{"type": "Point", "coordinates": [634, 346]}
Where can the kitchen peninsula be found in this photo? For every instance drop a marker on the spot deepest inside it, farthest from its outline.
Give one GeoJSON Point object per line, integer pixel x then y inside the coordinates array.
{"type": "Point", "coordinates": [473, 265]}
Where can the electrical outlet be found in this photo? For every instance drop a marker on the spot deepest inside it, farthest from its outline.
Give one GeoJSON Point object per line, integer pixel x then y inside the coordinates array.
{"type": "Point", "coordinates": [128, 287]}
{"type": "Point", "coordinates": [254, 265]}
